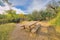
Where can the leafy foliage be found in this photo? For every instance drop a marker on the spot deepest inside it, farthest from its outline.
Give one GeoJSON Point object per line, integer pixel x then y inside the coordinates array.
{"type": "Point", "coordinates": [41, 15]}
{"type": "Point", "coordinates": [56, 20]}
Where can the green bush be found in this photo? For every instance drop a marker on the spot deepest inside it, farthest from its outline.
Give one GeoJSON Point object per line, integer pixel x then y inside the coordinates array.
{"type": "Point", "coordinates": [41, 15]}
{"type": "Point", "coordinates": [56, 21]}
{"type": "Point", "coordinates": [5, 30]}
{"type": "Point", "coordinates": [11, 16]}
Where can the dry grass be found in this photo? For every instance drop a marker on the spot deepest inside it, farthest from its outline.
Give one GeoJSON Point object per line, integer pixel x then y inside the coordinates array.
{"type": "Point", "coordinates": [5, 29]}
{"type": "Point", "coordinates": [18, 34]}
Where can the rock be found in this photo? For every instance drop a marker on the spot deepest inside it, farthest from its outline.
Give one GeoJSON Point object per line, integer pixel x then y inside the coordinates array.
{"type": "Point", "coordinates": [34, 30]}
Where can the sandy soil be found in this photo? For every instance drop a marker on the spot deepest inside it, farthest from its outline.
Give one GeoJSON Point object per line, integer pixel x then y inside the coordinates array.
{"type": "Point", "coordinates": [42, 33]}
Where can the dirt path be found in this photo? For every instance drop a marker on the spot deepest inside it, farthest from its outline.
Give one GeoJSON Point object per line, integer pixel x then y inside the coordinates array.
{"type": "Point", "coordinates": [19, 34]}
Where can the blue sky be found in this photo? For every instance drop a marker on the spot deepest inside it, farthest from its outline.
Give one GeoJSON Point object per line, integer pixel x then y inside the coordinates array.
{"type": "Point", "coordinates": [28, 6]}
{"type": "Point", "coordinates": [24, 6]}
{"type": "Point", "coordinates": [21, 4]}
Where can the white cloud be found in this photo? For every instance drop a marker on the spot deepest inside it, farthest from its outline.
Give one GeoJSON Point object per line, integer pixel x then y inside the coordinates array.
{"type": "Point", "coordinates": [37, 5]}
{"type": "Point", "coordinates": [3, 8]}
{"type": "Point", "coordinates": [18, 11]}
{"type": "Point", "coordinates": [18, 2]}
{"type": "Point", "coordinates": [7, 7]}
